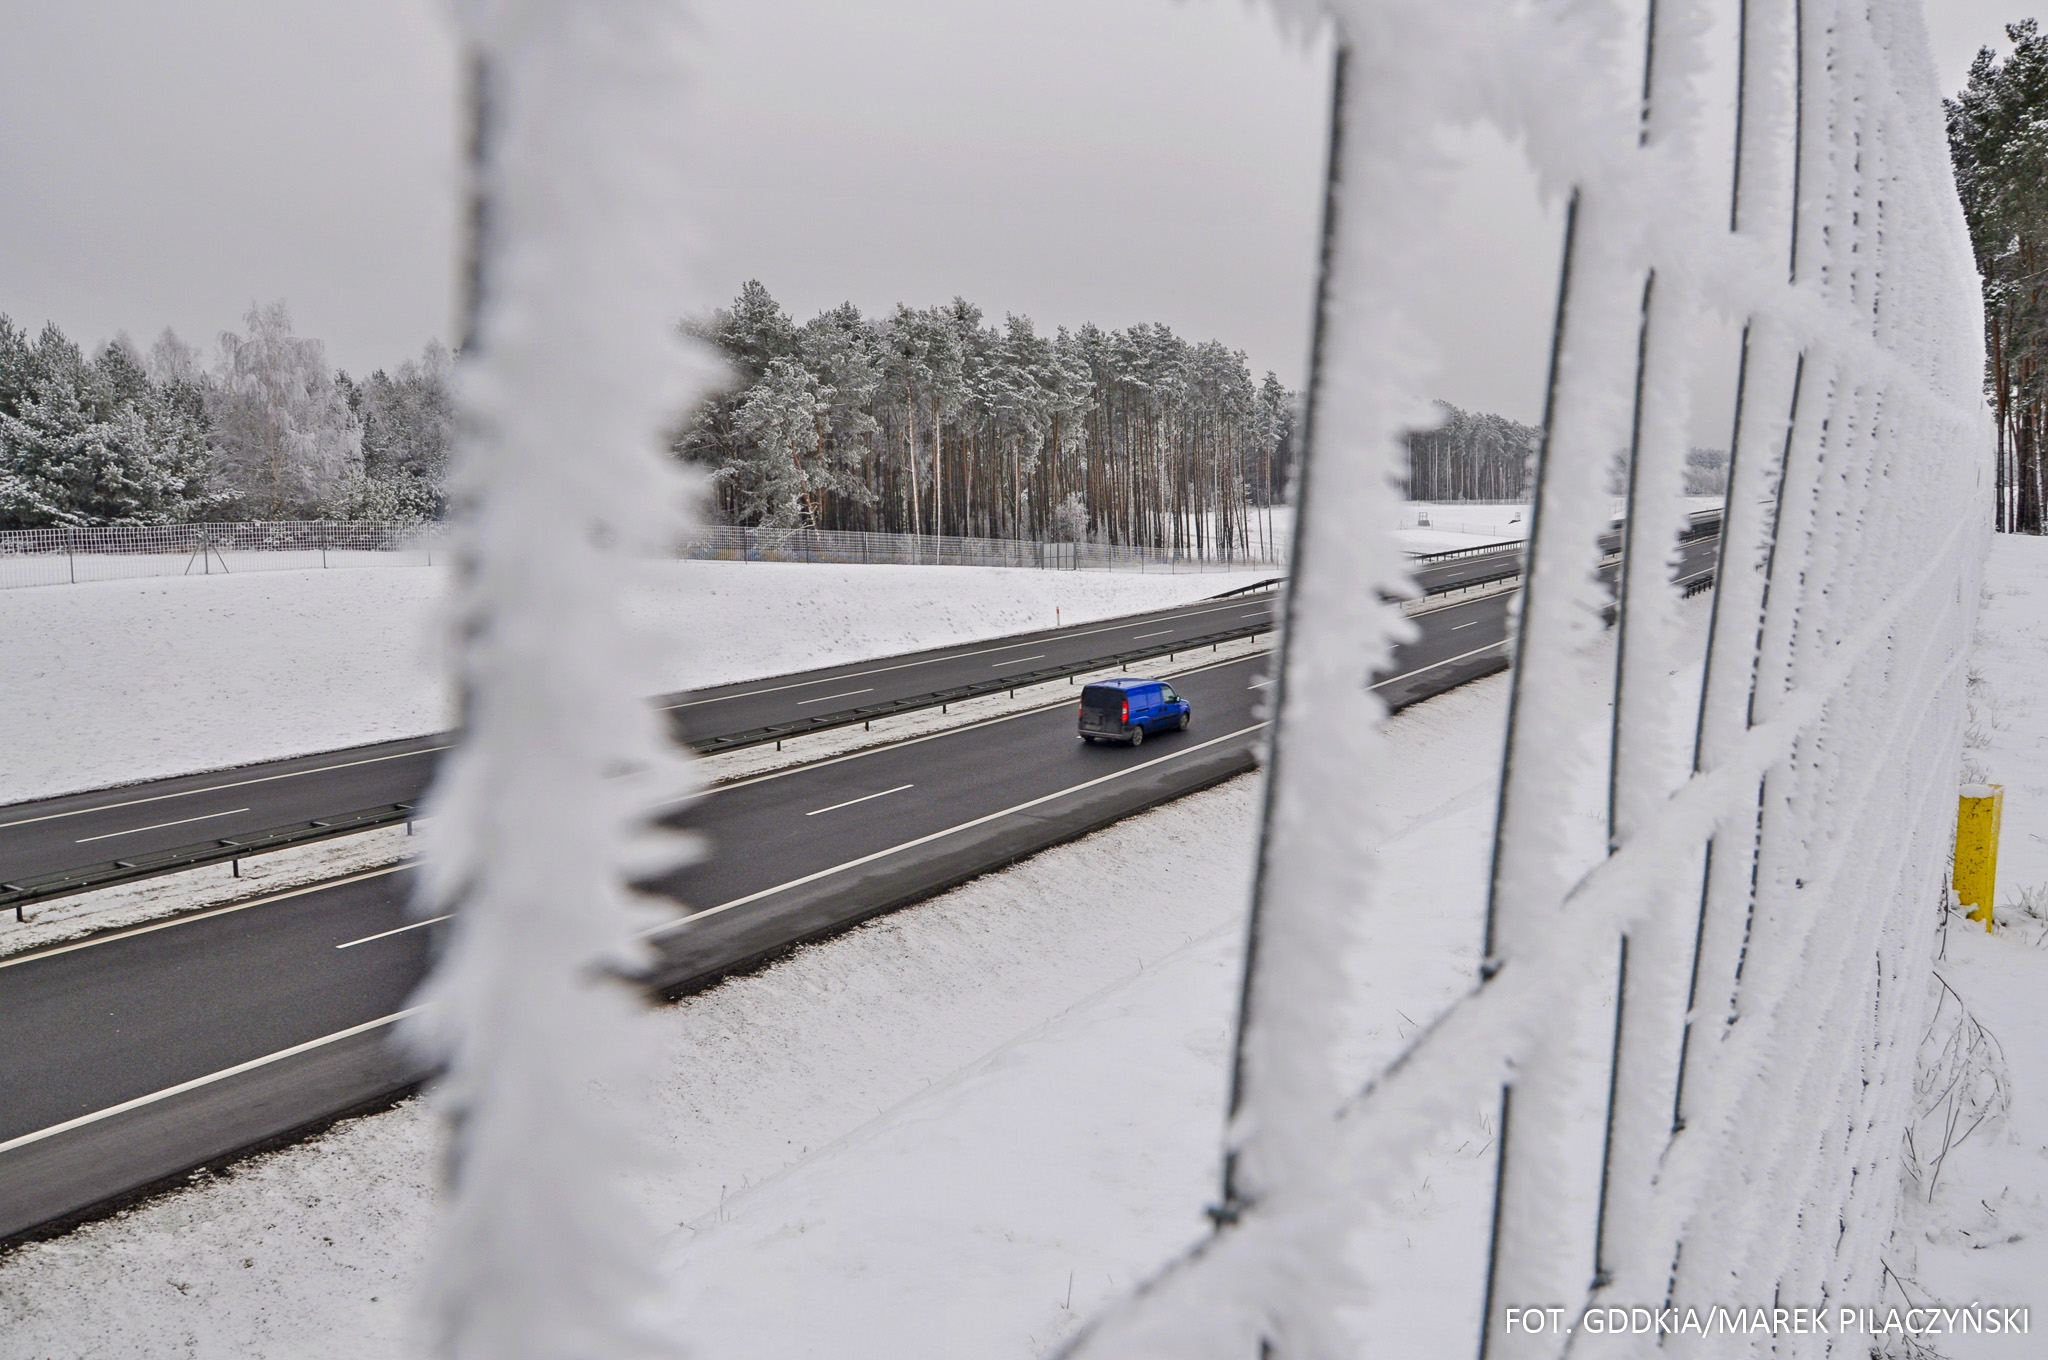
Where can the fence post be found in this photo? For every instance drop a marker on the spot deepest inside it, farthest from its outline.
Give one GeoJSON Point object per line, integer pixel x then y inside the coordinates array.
{"type": "Point", "coordinates": [1976, 875]}
{"type": "Point", "coordinates": [71, 553]}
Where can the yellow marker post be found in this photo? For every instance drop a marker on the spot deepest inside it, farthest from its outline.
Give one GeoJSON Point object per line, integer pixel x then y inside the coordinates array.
{"type": "Point", "coordinates": [1977, 817]}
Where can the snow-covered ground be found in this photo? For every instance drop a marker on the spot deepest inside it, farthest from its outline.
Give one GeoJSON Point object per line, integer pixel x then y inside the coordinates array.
{"type": "Point", "coordinates": [116, 681]}
{"type": "Point", "coordinates": [1983, 1232]}
{"type": "Point", "coordinates": [959, 1129]}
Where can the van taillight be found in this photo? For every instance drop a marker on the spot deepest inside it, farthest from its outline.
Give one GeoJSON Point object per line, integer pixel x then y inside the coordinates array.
{"type": "Point", "coordinates": [1125, 715]}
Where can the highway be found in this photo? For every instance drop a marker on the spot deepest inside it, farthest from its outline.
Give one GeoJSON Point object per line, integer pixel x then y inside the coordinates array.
{"type": "Point", "coordinates": [135, 1056]}
{"type": "Point", "coordinates": [89, 828]}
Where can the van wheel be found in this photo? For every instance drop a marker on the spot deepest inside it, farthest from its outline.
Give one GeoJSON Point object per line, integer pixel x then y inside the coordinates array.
{"type": "Point", "coordinates": [1090, 740]}
{"type": "Point", "coordinates": [1137, 736]}
{"type": "Point", "coordinates": [1185, 719]}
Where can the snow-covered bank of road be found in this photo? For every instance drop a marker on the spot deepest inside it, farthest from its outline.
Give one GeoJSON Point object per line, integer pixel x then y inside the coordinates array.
{"type": "Point", "coordinates": [1114, 954]}
{"type": "Point", "coordinates": [117, 681]}
{"type": "Point", "coordinates": [1982, 1234]}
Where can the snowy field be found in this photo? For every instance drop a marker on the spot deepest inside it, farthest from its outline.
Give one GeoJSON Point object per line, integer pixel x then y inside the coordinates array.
{"type": "Point", "coordinates": [116, 681]}
{"type": "Point", "coordinates": [1983, 1232]}
{"type": "Point", "coordinates": [960, 1130]}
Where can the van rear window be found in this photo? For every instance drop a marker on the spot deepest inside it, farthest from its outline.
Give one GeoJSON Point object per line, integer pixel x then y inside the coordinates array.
{"type": "Point", "coordinates": [1102, 699]}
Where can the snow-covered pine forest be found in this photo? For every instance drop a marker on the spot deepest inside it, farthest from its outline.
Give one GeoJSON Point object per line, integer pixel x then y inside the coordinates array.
{"type": "Point", "coordinates": [1480, 456]}
{"type": "Point", "coordinates": [2000, 150]}
{"type": "Point", "coordinates": [924, 422]}
{"type": "Point", "coordinates": [934, 421]}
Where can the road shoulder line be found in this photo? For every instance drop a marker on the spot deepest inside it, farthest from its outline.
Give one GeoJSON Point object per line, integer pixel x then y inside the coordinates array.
{"type": "Point", "coordinates": [38, 1135]}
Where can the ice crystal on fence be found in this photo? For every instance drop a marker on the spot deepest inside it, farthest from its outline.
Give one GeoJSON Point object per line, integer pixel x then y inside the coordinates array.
{"type": "Point", "coordinates": [1735, 981]}
{"type": "Point", "coordinates": [574, 374]}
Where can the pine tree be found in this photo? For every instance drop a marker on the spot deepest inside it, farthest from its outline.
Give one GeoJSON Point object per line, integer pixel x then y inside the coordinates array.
{"type": "Point", "coordinates": [87, 442]}
{"type": "Point", "coordinates": [782, 419]}
{"type": "Point", "coordinates": [934, 422]}
{"type": "Point", "coordinates": [1998, 141]}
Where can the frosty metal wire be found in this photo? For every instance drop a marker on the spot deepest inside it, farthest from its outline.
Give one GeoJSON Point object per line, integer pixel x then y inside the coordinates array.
{"type": "Point", "coordinates": [1759, 914]}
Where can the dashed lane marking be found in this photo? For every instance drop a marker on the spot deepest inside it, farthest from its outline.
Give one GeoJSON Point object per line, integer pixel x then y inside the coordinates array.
{"type": "Point", "coordinates": [138, 830]}
{"type": "Point", "coordinates": [828, 698]}
{"type": "Point", "coordinates": [866, 797]}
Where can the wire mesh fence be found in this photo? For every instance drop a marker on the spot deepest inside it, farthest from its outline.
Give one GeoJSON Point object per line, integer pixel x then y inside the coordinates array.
{"type": "Point", "coordinates": [732, 543]}
{"type": "Point", "coordinates": [1698, 1001]}
{"type": "Point", "coordinates": [70, 556]}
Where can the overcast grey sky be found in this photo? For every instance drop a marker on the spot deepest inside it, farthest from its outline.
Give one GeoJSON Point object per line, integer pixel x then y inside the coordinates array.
{"type": "Point", "coordinates": [1108, 160]}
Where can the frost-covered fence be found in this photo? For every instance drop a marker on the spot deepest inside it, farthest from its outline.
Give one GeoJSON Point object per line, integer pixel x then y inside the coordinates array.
{"type": "Point", "coordinates": [1707, 942]}
{"type": "Point", "coordinates": [846, 546]}
{"type": "Point", "coordinates": [67, 556]}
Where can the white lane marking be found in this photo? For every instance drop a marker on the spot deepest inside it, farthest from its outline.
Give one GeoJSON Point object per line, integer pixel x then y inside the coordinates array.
{"type": "Point", "coordinates": [969, 825]}
{"type": "Point", "coordinates": [1015, 659]}
{"type": "Point", "coordinates": [138, 830]}
{"type": "Point", "coordinates": [386, 934]}
{"type": "Point", "coordinates": [1259, 684]}
{"type": "Point", "coordinates": [1456, 626]}
{"type": "Point", "coordinates": [862, 799]}
{"type": "Point", "coordinates": [1419, 670]}
{"type": "Point", "coordinates": [368, 1025]}
{"type": "Point", "coordinates": [1256, 614]}
{"type": "Point", "coordinates": [1064, 634]}
{"type": "Point", "coordinates": [211, 1077]}
{"type": "Point", "coordinates": [1161, 633]}
{"type": "Point", "coordinates": [234, 784]}
{"type": "Point", "coordinates": [111, 936]}
{"type": "Point", "coordinates": [828, 698]}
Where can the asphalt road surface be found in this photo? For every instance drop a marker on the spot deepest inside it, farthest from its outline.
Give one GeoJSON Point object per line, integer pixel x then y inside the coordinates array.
{"type": "Point", "coordinates": [58, 834]}
{"type": "Point", "coordinates": [138, 1055]}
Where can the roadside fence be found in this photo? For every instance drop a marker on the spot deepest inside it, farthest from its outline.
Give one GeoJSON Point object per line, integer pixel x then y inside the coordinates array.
{"type": "Point", "coordinates": [737, 544]}
{"type": "Point", "coordinates": [71, 556]}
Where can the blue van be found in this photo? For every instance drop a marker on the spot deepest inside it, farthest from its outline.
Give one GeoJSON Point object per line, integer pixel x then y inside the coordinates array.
{"type": "Point", "coordinates": [1126, 708]}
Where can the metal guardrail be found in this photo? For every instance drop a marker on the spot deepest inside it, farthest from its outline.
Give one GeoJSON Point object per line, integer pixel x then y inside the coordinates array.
{"type": "Point", "coordinates": [1483, 550]}
{"type": "Point", "coordinates": [867, 713]}
{"type": "Point", "coordinates": [1266, 584]}
{"type": "Point", "coordinates": [17, 894]}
